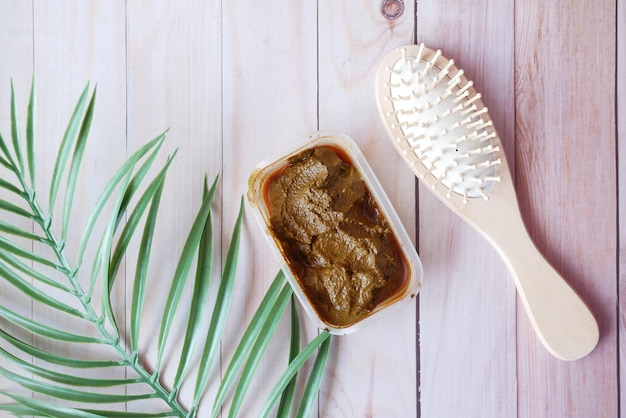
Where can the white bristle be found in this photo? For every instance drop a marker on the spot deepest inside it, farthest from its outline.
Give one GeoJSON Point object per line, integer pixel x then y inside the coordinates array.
{"type": "Point", "coordinates": [418, 58]}
{"type": "Point", "coordinates": [456, 79]}
{"type": "Point", "coordinates": [464, 89]}
{"type": "Point", "coordinates": [440, 120]}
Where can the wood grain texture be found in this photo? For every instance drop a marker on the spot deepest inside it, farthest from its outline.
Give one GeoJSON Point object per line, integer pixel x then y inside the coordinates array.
{"type": "Point", "coordinates": [175, 82]}
{"type": "Point", "coordinates": [559, 119]}
{"type": "Point", "coordinates": [621, 192]}
{"type": "Point", "coordinates": [16, 64]}
{"type": "Point", "coordinates": [375, 369]}
{"type": "Point", "coordinates": [468, 304]}
{"type": "Point", "coordinates": [269, 105]}
{"type": "Point", "coordinates": [76, 43]}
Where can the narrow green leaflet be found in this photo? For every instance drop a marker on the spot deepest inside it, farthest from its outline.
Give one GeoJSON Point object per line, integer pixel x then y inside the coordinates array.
{"type": "Point", "coordinates": [200, 292]}
{"type": "Point", "coordinates": [34, 293]}
{"type": "Point", "coordinates": [122, 414]}
{"type": "Point", "coordinates": [10, 187]}
{"type": "Point", "coordinates": [220, 312]}
{"type": "Point", "coordinates": [247, 340]}
{"type": "Point", "coordinates": [79, 149]}
{"type": "Point", "coordinates": [315, 379]}
{"type": "Point", "coordinates": [57, 359]}
{"type": "Point", "coordinates": [286, 400]}
{"type": "Point", "coordinates": [15, 250]}
{"type": "Point", "coordinates": [68, 393]}
{"type": "Point", "coordinates": [15, 132]}
{"type": "Point", "coordinates": [134, 219]}
{"type": "Point", "coordinates": [141, 273]}
{"type": "Point", "coordinates": [19, 410]}
{"type": "Point", "coordinates": [260, 345]}
{"type": "Point", "coordinates": [103, 255]}
{"type": "Point", "coordinates": [140, 174]}
{"type": "Point", "coordinates": [71, 132]}
{"type": "Point", "coordinates": [291, 370]}
{"type": "Point", "coordinates": [44, 330]}
{"type": "Point", "coordinates": [30, 134]}
{"type": "Point", "coordinates": [13, 208]}
{"type": "Point", "coordinates": [123, 171]}
{"type": "Point", "coordinates": [18, 232]}
{"type": "Point", "coordinates": [49, 409]}
{"type": "Point", "coordinates": [31, 272]}
{"type": "Point", "coordinates": [7, 160]}
{"type": "Point", "coordinates": [66, 379]}
{"type": "Point", "coordinates": [180, 277]}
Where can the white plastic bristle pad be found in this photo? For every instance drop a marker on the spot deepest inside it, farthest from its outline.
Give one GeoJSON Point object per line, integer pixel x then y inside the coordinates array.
{"type": "Point", "coordinates": [438, 122]}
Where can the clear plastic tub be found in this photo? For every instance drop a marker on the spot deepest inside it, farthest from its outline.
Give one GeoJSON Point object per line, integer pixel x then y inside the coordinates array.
{"type": "Point", "coordinates": [257, 196]}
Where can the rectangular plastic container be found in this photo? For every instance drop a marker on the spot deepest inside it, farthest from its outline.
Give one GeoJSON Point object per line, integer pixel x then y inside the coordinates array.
{"type": "Point", "coordinates": [257, 188]}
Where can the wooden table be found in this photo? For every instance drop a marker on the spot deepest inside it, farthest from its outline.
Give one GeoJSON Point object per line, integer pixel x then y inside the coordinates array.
{"type": "Point", "coordinates": [238, 82]}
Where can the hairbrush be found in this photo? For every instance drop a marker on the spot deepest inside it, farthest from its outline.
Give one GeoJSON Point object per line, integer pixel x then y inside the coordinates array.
{"type": "Point", "coordinates": [441, 128]}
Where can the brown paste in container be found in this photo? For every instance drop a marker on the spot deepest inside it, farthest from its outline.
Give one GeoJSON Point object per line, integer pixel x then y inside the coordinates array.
{"type": "Point", "coordinates": [335, 238]}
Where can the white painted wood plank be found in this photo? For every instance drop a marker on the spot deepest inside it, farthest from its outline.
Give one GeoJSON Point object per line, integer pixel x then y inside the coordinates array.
{"type": "Point", "coordinates": [467, 307]}
{"type": "Point", "coordinates": [16, 63]}
{"type": "Point", "coordinates": [621, 210]}
{"type": "Point", "coordinates": [76, 43]}
{"type": "Point", "coordinates": [270, 103]}
{"type": "Point", "coordinates": [175, 81]}
{"type": "Point", "coordinates": [566, 182]}
{"type": "Point", "coordinates": [372, 372]}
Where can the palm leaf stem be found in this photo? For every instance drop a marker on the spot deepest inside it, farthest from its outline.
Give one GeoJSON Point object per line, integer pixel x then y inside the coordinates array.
{"type": "Point", "coordinates": [77, 130]}
{"type": "Point", "coordinates": [89, 313]}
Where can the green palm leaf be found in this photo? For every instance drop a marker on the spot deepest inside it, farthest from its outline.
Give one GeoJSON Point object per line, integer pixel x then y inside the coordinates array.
{"type": "Point", "coordinates": [201, 294]}
{"type": "Point", "coordinates": [72, 176]}
{"type": "Point", "coordinates": [247, 340]}
{"type": "Point", "coordinates": [258, 349]}
{"type": "Point", "coordinates": [41, 408]}
{"type": "Point", "coordinates": [141, 274]}
{"type": "Point", "coordinates": [30, 135]}
{"type": "Point", "coordinates": [15, 132]}
{"type": "Point", "coordinates": [291, 371]}
{"type": "Point", "coordinates": [52, 358]}
{"type": "Point", "coordinates": [286, 400]}
{"type": "Point", "coordinates": [180, 276]}
{"type": "Point", "coordinates": [69, 137]}
{"type": "Point", "coordinates": [315, 380]}
{"type": "Point", "coordinates": [220, 311]}
{"type": "Point", "coordinates": [127, 214]}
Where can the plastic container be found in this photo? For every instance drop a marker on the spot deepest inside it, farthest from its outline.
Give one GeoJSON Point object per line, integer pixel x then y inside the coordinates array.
{"type": "Point", "coordinates": [257, 188]}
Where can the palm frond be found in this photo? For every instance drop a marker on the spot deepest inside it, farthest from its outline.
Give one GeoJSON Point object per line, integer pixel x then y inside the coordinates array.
{"type": "Point", "coordinates": [126, 214]}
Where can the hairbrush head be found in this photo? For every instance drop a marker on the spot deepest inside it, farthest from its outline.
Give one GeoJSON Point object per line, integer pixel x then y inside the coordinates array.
{"type": "Point", "coordinates": [438, 122]}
